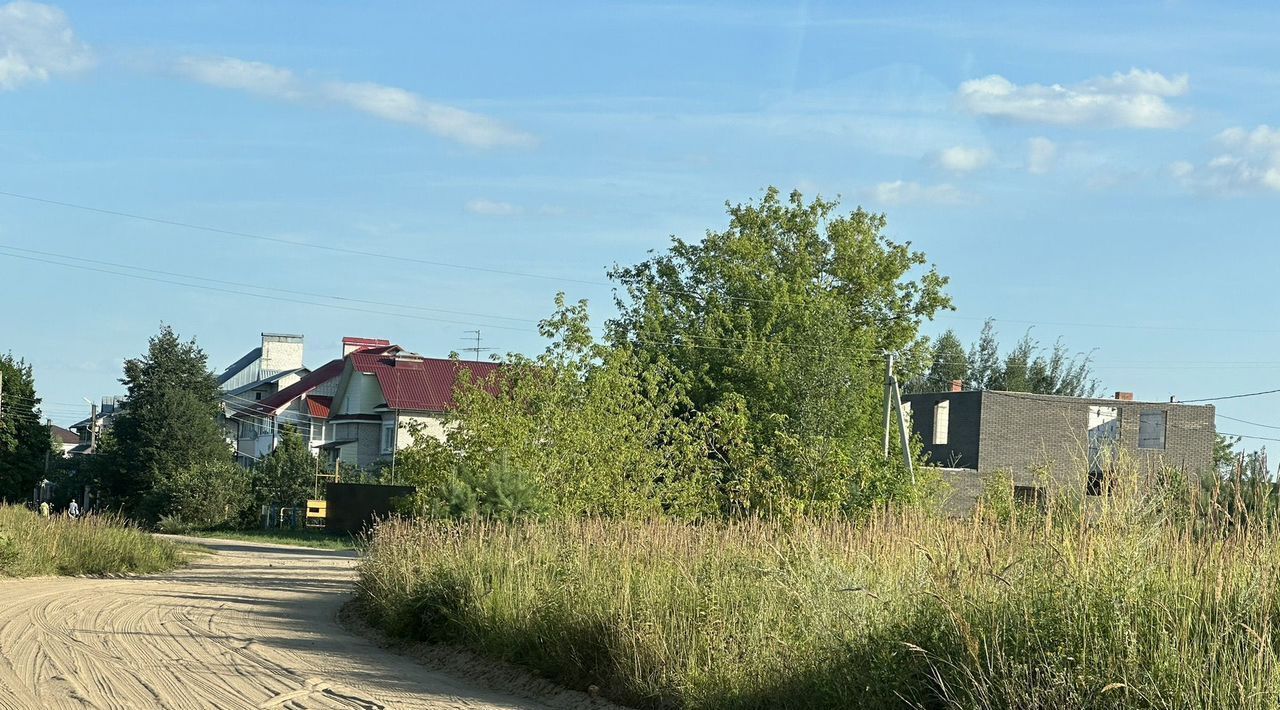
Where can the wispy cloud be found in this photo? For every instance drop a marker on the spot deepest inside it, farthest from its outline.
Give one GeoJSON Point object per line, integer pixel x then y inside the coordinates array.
{"type": "Point", "coordinates": [1251, 162]}
{"type": "Point", "coordinates": [1041, 155]}
{"type": "Point", "coordinates": [386, 102]}
{"type": "Point", "coordinates": [1132, 100]}
{"type": "Point", "coordinates": [232, 73]}
{"type": "Point", "coordinates": [37, 43]}
{"type": "Point", "coordinates": [492, 208]}
{"type": "Point", "coordinates": [902, 192]}
{"type": "Point", "coordinates": [962, 159]}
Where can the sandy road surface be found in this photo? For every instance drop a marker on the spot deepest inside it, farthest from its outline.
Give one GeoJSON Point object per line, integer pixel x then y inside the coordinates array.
{"type": "Point", "coordinates": [251, 627]}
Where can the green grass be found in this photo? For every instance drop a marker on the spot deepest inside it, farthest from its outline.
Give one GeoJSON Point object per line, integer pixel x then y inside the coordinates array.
{"type": "Point", "coordinates": [93, 545]}
{"type": "Point", "coordinates": [298, 538]}
{"type": "Point", "coordinates": [903, 610]}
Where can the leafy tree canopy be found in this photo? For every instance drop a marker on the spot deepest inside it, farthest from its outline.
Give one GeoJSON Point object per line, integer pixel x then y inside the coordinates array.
{"type": "Point", "coordinates": [287, 475]}
{"type": "Point", "coordinates": [168, 426]}
{"type": "Point", "coordinates": [25, 441]}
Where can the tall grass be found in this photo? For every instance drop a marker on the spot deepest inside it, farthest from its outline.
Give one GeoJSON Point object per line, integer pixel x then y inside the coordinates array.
{"type": "Point", "coordinates": [1110, 609]}
{"type": "Point", "coordinates": [32, 545]}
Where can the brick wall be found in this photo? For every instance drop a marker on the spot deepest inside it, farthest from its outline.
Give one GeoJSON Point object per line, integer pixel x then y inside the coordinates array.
{"type": "Point", "coordinates": [963, 446]}
{"type": "Point", "coordinates": [1024, 434]}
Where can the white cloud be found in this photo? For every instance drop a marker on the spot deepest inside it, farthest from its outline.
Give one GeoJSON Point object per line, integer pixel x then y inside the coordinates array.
{"type": "Point", "coordinates": [232, 73]}
{"type": "Point", "coordinates": [1252, 162]}
{"type": "Point", "coordinates": [1041, 155]}
{"type": "Point", "coordinates": [37, 43]}
{"type": "Point", "coordinates": [492, 208]}
{"type": "Point", "coordinates": [1132, 100]}
{"type": "Point", "coordinates": [900, 192]}
{"type": "Point", "coordinates": [402, 106]}
{"type": "Point", "coordinates": [386, 102]}
{"type": "Point", "coordinates": [1181, 169]}
{"type": "Point", "coordinates": [961, 159]}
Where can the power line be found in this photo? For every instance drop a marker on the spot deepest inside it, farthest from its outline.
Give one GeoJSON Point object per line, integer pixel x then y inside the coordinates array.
{"type": "Point", "coordinates": [362, 252]}
{"type": "Point", "coordinates": [242, 284]}
{"type": "Point", "coordinates": [545, 277]}
{"type": "Point", "coordinates": [1247, 436]}
{"type": "Point", "coordinates": [1245, 421]}
{"type": "Point", "coordinates": [1230, 396]}
{"type": "Point", "coordinates": [257, 295]}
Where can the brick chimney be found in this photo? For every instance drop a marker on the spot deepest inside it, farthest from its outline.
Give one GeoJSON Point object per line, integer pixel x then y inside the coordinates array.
{"type": "Point", "coordinates": [1124, 396]}
{"type": "Point", "coordinates": [957, 385]}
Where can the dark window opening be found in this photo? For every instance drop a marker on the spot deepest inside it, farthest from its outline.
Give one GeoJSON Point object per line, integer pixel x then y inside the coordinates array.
{"type": "Point", "coordinates": [1098, 483]}
{"type": "Point", "coordinates": [1029, 495]}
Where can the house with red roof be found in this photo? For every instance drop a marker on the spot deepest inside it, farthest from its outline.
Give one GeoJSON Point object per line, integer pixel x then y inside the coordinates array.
{"type": "Point", "coordinates": [386, 395]}
{"type": "Point", "coordinates": [301, 402]}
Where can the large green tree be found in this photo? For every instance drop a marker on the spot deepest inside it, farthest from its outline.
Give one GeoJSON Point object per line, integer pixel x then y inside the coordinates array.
{"type": "Point", "coordinates": [779, 322]}
{"type": "Point", "coordinates": [25, 441]}
{"type": "Point", "coordinates": [167, 427]}
{"type": "Point", "coordinates": [947, 364]}
{"type": "Point", "coordinates": [287, 475]}
{"type": "Point", "coordinates": [1029, 367]}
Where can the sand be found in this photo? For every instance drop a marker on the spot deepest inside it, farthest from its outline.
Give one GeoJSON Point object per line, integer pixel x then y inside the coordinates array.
{"type": "Point", "coordinates": [252, 626]}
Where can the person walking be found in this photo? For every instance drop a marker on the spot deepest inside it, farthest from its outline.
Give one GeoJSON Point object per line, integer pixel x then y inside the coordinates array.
{"type": "Point", "coordinates": [44, 508]}
{"type": "Point", "coordinates": [73, 510]}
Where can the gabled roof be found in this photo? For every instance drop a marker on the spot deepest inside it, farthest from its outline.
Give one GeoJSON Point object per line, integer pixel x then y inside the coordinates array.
{"type": "Point", "coordinates": [278, 401]}
{"type": "Point", "coordinates": [264, 381]}
{"type": "Point", "coordinates": [239, 365]}
{"type": "Point", "coordinates": [410, 381]}
{"type": "Point", "coordinates": [319, 406]}
{"type": "Point", "coordinates": [64, 436]}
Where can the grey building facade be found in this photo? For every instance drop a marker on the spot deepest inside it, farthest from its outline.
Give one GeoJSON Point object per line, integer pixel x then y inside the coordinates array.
{"type": "Point", "coordinates": [1046, 441]}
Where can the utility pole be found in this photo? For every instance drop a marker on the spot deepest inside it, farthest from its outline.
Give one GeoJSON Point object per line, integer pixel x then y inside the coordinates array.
{"type": "Point", "coordinates": [893, 398]}
{"type": "Point", "coordinates": [93, 428]}
{"type": "Point", "coordinates": [888, 397]}
{"type": "Point", "coordinates": [477, 349]}
{"type": "Point", "coordinates": [48, 424]}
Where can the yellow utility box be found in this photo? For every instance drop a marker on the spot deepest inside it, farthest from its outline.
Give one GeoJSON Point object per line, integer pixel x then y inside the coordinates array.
{"type": "Point", "coordinates": [317, 511]}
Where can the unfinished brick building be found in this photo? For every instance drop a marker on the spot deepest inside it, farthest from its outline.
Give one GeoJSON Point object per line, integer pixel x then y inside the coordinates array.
{"type": "Point", "coordinates": [1047, 441]}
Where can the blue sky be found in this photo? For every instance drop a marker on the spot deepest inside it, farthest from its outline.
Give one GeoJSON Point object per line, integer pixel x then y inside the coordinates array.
{"type": "Point", "coordinates": [1108, 174]}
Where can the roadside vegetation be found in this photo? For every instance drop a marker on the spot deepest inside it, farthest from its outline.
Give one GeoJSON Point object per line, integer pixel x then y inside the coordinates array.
{"type": "Point", "coordinates": [1149, 602]}
{"type": "Point", "coordinates": [692, 510]}
{"type": "Point", "coordinates": [31, 545]}
{"type": "Point", "coordinates": [298, 538]}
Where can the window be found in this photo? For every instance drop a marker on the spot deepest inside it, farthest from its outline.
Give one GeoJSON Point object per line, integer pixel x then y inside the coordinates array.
{"type": "Point", "coordinates": [1029, 495]}
{"type": "Point", "coordinates": [1103, 435]}
{"type": "Point", "coordinates": [388, 437]}
{"type": "Point", "coordinates": [257, 396]}
{"type": "Point", "coordinates": [941, 422]}
{"type": "Point", "coordinates": [1151, 426]}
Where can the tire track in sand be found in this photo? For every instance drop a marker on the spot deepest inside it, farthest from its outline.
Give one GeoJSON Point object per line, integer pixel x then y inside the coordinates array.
{"type": "Point", "coordinates": [253, 626]}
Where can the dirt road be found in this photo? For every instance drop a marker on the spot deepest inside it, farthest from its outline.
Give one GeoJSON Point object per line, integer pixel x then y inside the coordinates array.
{"type": "Point", "coordinates": [253, 626]}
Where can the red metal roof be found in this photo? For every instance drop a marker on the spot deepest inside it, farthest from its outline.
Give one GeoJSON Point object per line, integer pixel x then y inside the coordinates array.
{"type": "Point", "coordinates": [415, 382]}
{"type": "Point", "coordinates": [361, 343]}
{"type": "Point", "coordinates": [280, 400]}
{"type": "Point", "coordinates": [318, 406]}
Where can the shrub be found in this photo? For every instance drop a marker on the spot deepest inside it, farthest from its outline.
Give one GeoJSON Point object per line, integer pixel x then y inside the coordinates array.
{"type": "Point", "coordinates": [93, 544]}
{"type": "Point", "coordinates": [206, 495]}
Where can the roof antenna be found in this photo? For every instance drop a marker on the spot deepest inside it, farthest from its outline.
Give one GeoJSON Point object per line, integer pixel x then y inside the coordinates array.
{"type": "Point", "coordinates": [475, 335]}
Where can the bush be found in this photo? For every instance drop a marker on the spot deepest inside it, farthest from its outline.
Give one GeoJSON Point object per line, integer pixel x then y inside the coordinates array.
{"type": "Point", "coordinates": [93, 544]}
{"type": "Point", "coordinates": [206, 495]}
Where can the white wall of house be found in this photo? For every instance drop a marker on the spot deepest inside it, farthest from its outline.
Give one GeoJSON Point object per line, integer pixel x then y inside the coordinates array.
{"type": "Point", "coordinates": [426, 424]}
{"type": "Point", "coordinates": [362, 395]}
